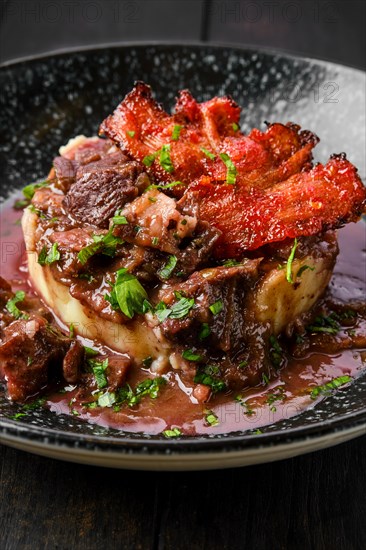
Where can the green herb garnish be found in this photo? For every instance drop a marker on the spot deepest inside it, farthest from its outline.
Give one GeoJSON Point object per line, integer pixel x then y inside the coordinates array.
{"type": "Point", "coordinates": [327, 388]}
{"type": "Point", "coordinates": [211, 418]}
{"type": "Point", "coordinates": [104, 244]}
{"type": "Point", "coordinates": [191, 356]}
{"type": "Point", "coordinates": [216, 307]}
{"type": "Point", "coordinates": [206, 376]}
{"type": "Point", "coordinates": [275, 351]}
{"type": "Point", "coordinates": [304, 268]}
{"type": "Point", "coordinates": [166, 271]}
{"type": "Point", "coordinates": [127, 294]}
{"type": "Point", "coordinates": [208, 154]}
{"type": "Point", "coordinates": [30, 189]}
{"type": "Point", "coordinates": [174, 432]}
{"type": "Point", "coordinates": [49, 257]}
{"type": "Point", "coordinates": [176, 132]}
{"type": "Point", "coordinates": [289, 263]}
{"type": "Point", "coordinates": [12, 308]}
{"type": "Point", "coordinates": [131, 133]}
{"type": "Point", "coordinates": [230, 168]}
{"type": "Point", "coordinates": [98, 368]}
{"type": "Point", "coordinates": [149, 159]}
{"type": "Point", "coordinates": [205, 331]}
{"type": "Point", "coordinates": [164, 159]}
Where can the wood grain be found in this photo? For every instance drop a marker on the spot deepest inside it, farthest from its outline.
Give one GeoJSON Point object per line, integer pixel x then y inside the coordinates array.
{"type": "Point", "coordinates": [317, 501]}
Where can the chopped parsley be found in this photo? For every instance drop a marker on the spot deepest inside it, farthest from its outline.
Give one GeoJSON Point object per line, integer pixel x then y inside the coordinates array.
{"type": "Point", "coordinates": [155, 241]}
{"type": "Point", "coordinates": [149, 159]}
{"type": "Point", "coordinates": [326, 389]}
{"type": "Point", "coordinates": [211, 418]}
{"type": "Point", "coordinates": [205, 331]}
{"type": "Point", "coordinates": [230, 263]}
{"type": "Point", "coordinates": [173, 432]}
{"type": "Point", "coordinates": [119, 220]}
{"type": "Point", "coordinates": [98, 368]}
{"type": "Point", "coordinates": [147, 361]}
{"type": "Point", "coordinates": [230, 168]}
{"type": "Point", "coordinates": [131, 133]}
{"type": "Point", "coordinates": [277, 395]}
{"type": "Point", "coordinates": [304, 268]}
{"type": "Point", "coordinates": [208, 154]}
{"type": "Point", "coordinates": [107, 399]}
{"type": "Point", "coordinates": [216, 307]}
{"type": "Point", "coordinates": [325, 323]}
{"type": "Point", "coordinates": [166, 271]}
{"type": "Point", "coordinates": [275, 351]}
{"type": "Point", "coordinates": [177, 311]}
{"type": "Point", "coordinates": [191, 356]}
{"type": "Point", "coordinates": [289, 263]}
{"type": "Point", "coordinates": [208, 376]}
{"type": "Point", "coordinates": [20, 204]}
{"type": "Point", "coordinates": [30, 189]}
{"type": "Point", "coordinates": [164, 159]}
{"type": "Point", "coordinates": [104, 244]}
{"type": "Point", "coordinates": [49, 257]}
{"type": "Point", "coordinates": [235, 126]}
{"type": "Point", "coordinates": [12, 308]}
{"type": "Point", "coordinates": [127, 294]}
{"type": "Point", "coordinates": [176, 132]}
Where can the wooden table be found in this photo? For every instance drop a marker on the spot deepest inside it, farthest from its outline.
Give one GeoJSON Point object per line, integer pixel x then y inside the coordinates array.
{"type": "Point", "coordinates": [317, 501]}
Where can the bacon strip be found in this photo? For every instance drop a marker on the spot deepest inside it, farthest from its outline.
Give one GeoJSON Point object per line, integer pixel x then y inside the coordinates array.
{"type": "Point", "coordinates": [277, 194]}
{"type": "Point", "coordinates": [141, 127]}
{"type": "Point", "coordinates": [307, 203]}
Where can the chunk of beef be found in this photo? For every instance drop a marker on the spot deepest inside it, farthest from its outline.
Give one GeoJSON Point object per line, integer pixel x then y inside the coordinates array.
{"type": "Point", "coordinates": [154, 221]}
{"type": "Point", "coordinates": [224, 290]}
{"type": "Point", "coordinates": [31, 354]}
{"type": "Point", "coordinates": [72, 362]}
{"type": "Point", "coordinates": [102, 187]}
{"type": "Point", "coordinates": [65, 170]}
{"type": "Point", "coordinates": [6, 294]}
{"type": "Point", "coordinates": [221, 325]}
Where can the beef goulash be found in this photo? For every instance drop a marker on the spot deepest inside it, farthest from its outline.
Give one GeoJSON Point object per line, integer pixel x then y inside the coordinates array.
{"type": "Point", "coordinates": [174, 250]}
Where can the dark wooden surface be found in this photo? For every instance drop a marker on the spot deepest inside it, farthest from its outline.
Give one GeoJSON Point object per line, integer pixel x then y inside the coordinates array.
{"type": "Point", "coordinates": [317, 501]}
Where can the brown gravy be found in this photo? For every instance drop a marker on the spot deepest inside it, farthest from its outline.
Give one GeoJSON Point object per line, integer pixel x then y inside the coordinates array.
{"type": "Point", "coordinates": [175, 406]}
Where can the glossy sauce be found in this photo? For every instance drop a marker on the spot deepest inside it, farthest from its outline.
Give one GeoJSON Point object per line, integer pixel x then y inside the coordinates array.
{"type": "Point", "coordinates": [175, 406]}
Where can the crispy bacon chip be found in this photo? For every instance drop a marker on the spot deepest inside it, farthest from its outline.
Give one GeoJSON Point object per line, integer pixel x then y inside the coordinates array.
{"type": "Point", "coordinates": [142, 128]}
{"type": "Point", "coordinates": [275, 193]}
{"type": "Point", "coordinates": [305, 204]}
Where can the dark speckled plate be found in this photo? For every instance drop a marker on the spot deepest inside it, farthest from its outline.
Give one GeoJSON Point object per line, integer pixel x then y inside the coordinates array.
{"type": "Point", "coordinates": [45, 101]}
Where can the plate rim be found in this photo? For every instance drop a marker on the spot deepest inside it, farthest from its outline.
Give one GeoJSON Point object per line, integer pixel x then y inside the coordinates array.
{"type": "Point", "coordinates": [58, 52]}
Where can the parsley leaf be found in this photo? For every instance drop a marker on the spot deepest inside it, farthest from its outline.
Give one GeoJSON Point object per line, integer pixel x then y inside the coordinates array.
{"type": "Point", "coordinates": [98, 368]}
{"type": "Point", "coordinates": [230, 168]}
{"type": "Point", "coordinates": [131, 133]}
{"type": "Point", "coordinates": [208, 154]}
{"type": "Point", "coordinates": [149, 159]}
{"type": "Point", "coordinates": [176, 132]}
{"type": "Point", "coordinates": [211, 418]}
{"type": "Point", "coordinates": [191, 356]}
{"type": "Point", "coordinates": [164, 159]}
{"type": "Point", "coordinates": [104, 244]}
{"type": "Point", "coordinates": [29, 190]}
{"type": "Point", "coordinates": [289, 263]}
{"type": "Point", "coordinates": [12, 308]}
{"type": "Point", "coordinates": [47, 258]}
{"type": "Point", "coordinates": [205, 331]}
{"type": "Point", "coordinates": [127, 294]}
{"type": "Point", "coordinates": [174, 432]}
{"type": "Point", "coordinates": [216, 307]}
{"type": "Point", "coordinates": [327, 388]}
{"type": "Point", "coordinates": [208, 376]}
{"type": "Point", "coordinates": [166, 271]}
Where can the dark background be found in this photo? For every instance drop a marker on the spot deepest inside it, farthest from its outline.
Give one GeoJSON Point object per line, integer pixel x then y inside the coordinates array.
{"type": "Point", "coordinates": [317, 501]}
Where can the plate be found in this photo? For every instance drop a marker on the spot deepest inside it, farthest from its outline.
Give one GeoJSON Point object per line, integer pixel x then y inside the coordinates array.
{"type": "Point", "coordinates": [47, 100]}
